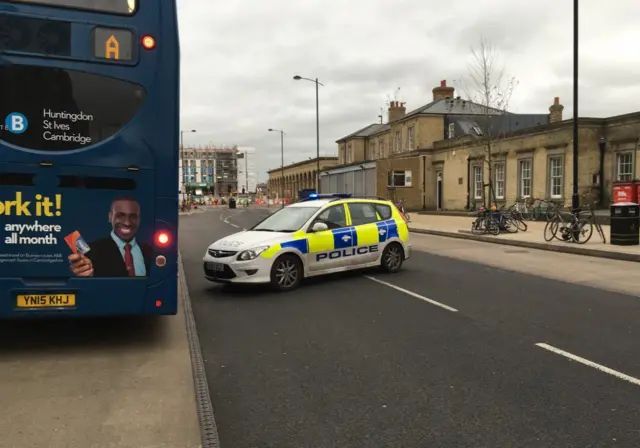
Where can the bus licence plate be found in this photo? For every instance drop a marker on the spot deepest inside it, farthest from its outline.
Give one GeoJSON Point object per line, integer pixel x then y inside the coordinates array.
{"type": "Point", "coordinates": [46, 300]}
{"type": "Point", "coordinates": [216, 267]}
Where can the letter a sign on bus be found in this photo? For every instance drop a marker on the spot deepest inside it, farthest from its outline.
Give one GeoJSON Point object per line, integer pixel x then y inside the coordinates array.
{"type": "Point", "coordinates": [112, 48]}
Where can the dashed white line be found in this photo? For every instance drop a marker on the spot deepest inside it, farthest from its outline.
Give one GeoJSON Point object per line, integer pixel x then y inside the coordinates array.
{"type": "Point", "coordinates": [225, 219]}
{"type": "Point", "coordinates": [413, 294]}
{"type": "Point", "coordinates": [586, 362]}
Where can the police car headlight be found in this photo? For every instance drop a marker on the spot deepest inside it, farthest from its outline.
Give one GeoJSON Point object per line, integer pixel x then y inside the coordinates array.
{"type": "Point", "coordinates": [251, 254]}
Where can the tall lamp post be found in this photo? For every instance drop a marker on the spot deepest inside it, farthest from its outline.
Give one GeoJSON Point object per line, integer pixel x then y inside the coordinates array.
{"type": "Point", "coordinates": [246, 171]}
{"type": "Point", "coordinates": [575, 199]}
{"type": "Point", "coordinates": [182, 154]}
{"type": "Point", "coordinates": [317, 83]}
{"type": "Point", "coordinates": [282, 163]}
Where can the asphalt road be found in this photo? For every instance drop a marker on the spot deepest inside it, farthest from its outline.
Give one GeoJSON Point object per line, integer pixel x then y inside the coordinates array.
{"type": "Point", "coordinates": [347, 361]}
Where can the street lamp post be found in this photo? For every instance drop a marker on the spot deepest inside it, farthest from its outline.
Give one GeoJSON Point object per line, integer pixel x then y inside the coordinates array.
{"type": "Point", "coordinates": [317, 83]}
{"type": "Point", "coordinates": [246, 171]}
{"type": "Point", "coordinates": [575, 199]}
{"type": "Point", "coordinates": [182, 156]}
{"type": "Point", "coordinates": [282, 163]}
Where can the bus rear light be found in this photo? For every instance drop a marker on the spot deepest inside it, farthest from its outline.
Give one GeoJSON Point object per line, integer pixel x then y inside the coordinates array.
{"type": "Point", "coordinates": [148, 42]}
{"type": "Point", "coordinates": [162, 239]}
{"type": "Point", "coordinates": [158, 303]}
{"type": "Point", "coordinates": [161, 261]}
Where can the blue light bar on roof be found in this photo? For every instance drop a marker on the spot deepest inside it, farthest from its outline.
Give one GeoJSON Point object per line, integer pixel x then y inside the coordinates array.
{"type": "Point", "coordinates": [313, 196]}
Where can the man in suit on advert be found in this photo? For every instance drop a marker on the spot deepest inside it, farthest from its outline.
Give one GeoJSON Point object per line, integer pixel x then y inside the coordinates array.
{"type": "Point", "coordinates": [119, 254]}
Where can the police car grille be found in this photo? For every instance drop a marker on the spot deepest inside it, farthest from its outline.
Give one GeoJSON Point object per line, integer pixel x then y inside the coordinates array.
{"type": "Point", "coordinates": [221, 253]}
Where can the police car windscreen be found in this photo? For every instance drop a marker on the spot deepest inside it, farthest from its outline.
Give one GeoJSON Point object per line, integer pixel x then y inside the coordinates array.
{"type": "Point", "coordinates": [288, 219]}
{"type": "Point", "coordinates": [113, 6]}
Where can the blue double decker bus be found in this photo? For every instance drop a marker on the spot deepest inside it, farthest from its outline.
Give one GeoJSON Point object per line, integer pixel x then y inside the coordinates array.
{"type": "Point", "coordinates": [89, 129]}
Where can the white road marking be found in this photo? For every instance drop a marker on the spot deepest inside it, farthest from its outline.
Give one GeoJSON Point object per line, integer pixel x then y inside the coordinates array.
{"type": "Point", "coordinates": [225, 219]}
{"type": "Point", "coordinates": [413, 294]}
{"type": "Point", "coordinates": [586, 362]}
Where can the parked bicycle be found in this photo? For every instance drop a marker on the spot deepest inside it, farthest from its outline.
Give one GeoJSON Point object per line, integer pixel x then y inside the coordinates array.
{"type": "Point", "coordinates": [494, 221]}
{"type": "Point", "coordinates": [569, 227]}
{"type": "Point", "coordinates": [523, 209]}
{"type": "Point", "coordinates": [544, 210]}
{"type": "Point", "coordinates": [593, 222]}
{"type": "Point", "coordinates": [400, 207]}
{"type": "Point", "coordinates": [483, 223]}
{"type": "Point", "coordinates": [519, 213]}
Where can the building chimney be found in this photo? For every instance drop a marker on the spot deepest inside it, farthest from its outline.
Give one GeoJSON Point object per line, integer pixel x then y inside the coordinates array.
{"type": "Point", "coordinates": [396, 111]}
{"type": "Point", "coordinates": [555, 111]}
{"type": "Point", "coordinates": [443, 92]}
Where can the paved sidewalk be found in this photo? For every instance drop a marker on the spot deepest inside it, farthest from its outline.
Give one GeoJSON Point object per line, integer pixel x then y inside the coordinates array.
{"type": "Point", "coordinates": [98, 383]}
{"type": "Point", "coordinates": [460, 227]}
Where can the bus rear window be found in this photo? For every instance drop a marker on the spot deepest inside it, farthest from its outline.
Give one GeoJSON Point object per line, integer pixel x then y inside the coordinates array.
{"type": "Point", "coordinates": [112, 6]}
{"type": "Point", "coordinates": [55, 109]}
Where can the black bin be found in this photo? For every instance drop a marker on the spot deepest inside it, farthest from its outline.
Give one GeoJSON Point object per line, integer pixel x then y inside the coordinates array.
{"type": "Point", "coordinates": [625, 224]}
{"type": "Point", "coordinates": [232, 203]}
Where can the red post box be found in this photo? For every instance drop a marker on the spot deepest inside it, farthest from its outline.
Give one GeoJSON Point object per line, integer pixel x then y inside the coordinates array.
{"type": "Point", "coordinates": [625, 192]}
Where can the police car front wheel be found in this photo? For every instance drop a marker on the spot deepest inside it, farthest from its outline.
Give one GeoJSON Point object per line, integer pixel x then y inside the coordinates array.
{"type": "Point", "coordinates": [392, 257]}
{"type": "Point", "coordinates": [286, 273]}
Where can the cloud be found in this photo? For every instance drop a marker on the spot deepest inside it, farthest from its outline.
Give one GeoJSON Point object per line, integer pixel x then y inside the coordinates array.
{"type": "Point", "coordinates": [239, 58]}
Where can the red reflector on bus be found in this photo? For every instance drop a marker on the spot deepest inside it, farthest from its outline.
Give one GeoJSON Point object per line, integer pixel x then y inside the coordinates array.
{"type": "Point", "coordinates": [158, 303]}
{"type": "Point", "coordinates": [148, 43]}
{"type": "Point", "coordinates": [162, 239]}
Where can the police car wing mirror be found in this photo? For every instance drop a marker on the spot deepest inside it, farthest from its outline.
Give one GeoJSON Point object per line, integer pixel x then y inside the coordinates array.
{"type": "Point", "coordinates": [319, 227]}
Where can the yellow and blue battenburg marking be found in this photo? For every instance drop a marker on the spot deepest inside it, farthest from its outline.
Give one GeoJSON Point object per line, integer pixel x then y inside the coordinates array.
{"type": "Point", "coordinates": [343, 238]}
{"type": "Point", "coordinates": [299, 242]}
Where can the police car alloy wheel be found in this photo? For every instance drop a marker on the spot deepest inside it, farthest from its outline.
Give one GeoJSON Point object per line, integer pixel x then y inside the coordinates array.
{"type": "Point", "coordinates": [286, 273]}
{"type": "Point", "coordinates": [392, 257]}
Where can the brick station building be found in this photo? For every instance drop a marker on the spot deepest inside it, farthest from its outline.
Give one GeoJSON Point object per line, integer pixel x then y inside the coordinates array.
{"type": "Point", "coordinates": [435, 156]}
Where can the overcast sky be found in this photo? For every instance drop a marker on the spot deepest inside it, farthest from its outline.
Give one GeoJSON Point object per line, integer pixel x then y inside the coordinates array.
{"type": "Point", "coordinates": [239, 57]}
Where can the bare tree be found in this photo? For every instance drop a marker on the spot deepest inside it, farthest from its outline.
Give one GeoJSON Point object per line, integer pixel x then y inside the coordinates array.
{"type": "Point", "coordinates": [487, 85]}
{"type": "Point", "coordinates": [388, 155]}
{"type": "Point", "coordinates": [388, 102]}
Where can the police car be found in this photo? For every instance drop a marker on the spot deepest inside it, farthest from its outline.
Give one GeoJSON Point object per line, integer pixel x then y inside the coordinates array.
{"type": "Point", "coordinates": [322, 234]}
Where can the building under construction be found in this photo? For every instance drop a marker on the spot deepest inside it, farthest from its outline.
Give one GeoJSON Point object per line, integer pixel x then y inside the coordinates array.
{"type": "Point", "coordinates": [209, 169]}
{"type": "Point", "coordinates": [226, 168]}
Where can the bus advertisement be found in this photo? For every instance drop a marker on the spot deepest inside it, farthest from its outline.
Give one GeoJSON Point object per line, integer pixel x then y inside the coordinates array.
{"type": "Point", "coordinates": [89, 131]}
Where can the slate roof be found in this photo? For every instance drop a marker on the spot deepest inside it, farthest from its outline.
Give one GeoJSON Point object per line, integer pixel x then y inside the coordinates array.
{"type": "Point", "coordinates": [453, 106]}
{"type": "Point", "coordinates": [495, 125]}
{"type": "Point", "coordinates": [366, 131]}
{"type": "Point", "coordinates": [466, 115]}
